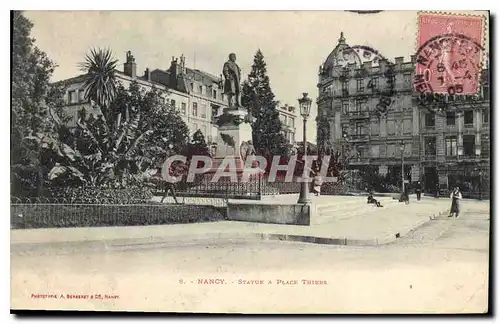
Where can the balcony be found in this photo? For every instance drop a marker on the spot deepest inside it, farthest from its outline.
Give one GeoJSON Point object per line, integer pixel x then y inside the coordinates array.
{"type": "Point", "coordinates": [359, 114]}
{"type": "Point", "coordinates": [429, 158]}
{"type": "Point", "coordinates": [359, 161]}
{"type": "Point", "coordinates": [468, 158]}
{"type": "Point", "coordinates": [359, 138]}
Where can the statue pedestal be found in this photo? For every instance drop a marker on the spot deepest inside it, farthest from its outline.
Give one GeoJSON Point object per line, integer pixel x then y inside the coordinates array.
{"type": "Point", "coordinates": [233, 131]}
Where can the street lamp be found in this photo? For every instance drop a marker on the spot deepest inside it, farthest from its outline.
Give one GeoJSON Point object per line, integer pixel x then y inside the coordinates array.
{"type": "Point", "coordinates": [402, 148]}
{"type": "Point", "coordinates": [305, 110]}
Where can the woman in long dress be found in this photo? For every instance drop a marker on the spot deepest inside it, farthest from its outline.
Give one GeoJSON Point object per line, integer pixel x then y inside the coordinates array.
{"type": "Point", "coordinates": [455, 196]}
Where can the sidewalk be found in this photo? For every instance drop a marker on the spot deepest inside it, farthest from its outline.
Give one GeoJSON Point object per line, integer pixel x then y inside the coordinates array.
{"type": "Point", "coordinates": [377, 227]}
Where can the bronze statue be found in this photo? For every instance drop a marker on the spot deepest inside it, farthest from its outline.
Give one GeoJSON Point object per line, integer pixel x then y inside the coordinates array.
{"type": "Point", "coordinates": [232, 74]}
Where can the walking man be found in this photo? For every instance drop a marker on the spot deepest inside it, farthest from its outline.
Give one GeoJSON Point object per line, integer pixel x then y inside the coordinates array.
{"type": "Point", "coordinates": [455, 196]}
{"type": "Point", "coordinates": [418, 190]}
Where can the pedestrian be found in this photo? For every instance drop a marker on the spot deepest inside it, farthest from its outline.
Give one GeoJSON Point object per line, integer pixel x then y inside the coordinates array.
{"type": "Point", "coordinates": [170, 187]}
{"type": "Point", "coordinates": [418, 190]}
{"type": "Point", "coordinates": [371, 200]}
{"type": "Point", "coordinates": [455, 196]}
{"type": "Point", "coordinates": [317, 181]}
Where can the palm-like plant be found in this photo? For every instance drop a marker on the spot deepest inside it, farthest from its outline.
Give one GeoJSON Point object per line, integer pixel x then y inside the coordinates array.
{"type": "Point", "coordinates": [100, 79]}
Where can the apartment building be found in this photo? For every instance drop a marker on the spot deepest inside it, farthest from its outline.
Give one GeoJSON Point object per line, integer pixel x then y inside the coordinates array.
{"type": "Point", "coordinates": [205, 93]}
{"type": "Point", "coordinates": [440, 151]}
{"type": "Point", "coordinates": [195, 94]}
{"type": "Point", "coordinates": [288, 118]}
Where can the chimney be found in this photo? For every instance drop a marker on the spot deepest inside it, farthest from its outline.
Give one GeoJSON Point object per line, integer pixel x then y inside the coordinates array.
{"type": "Point", "coordinates": [130, 67]}
{"type": "Point", "coordinates": [147, 75]}
{"type": "Point", "coordinates": [174, 72]}
{"type": "Point", "coordinates": [183, 64]}
{"type": "Point", "coordinates": [399, 61]}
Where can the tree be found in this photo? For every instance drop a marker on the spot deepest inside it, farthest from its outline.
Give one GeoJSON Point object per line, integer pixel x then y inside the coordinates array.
{"type": "Point", "coordinates": [197, 146]}
{"type": "Point", "coordinates": [34, 99]}
{"type": "Point", "coordinates": [100, 80]}
{"type": "Point", "coordinates": [258, 97]}
{"type": "Point", "coordinates": [97, 156]}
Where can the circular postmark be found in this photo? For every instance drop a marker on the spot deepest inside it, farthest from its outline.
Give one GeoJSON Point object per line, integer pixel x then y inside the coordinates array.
{"type": "Point", "coordinates": [447, 66]}
{"type": "Point", "coordinates": [385, 93]}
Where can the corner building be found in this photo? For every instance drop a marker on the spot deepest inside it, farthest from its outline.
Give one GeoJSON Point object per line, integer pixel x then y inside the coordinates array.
{"type": "Point", "coordinates": [440, 151]}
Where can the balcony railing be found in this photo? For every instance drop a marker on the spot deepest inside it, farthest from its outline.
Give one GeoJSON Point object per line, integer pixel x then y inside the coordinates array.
{"type": "Point", "coordinates": [469, 125]}
{"type": "Point", "coordinates": [359, 114]}
{"type": "Point", "coordinates": [359, 137]}
{"type": "Point", "coordinates": [429, 158]}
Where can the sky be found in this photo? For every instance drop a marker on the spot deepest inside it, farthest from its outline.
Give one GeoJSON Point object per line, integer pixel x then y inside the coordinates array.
{"type": "Point", "coordinates": [294, 43]}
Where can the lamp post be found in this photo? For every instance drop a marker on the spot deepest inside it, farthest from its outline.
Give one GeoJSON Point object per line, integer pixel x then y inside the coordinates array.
{"type": "Point", "coordinates": [305, 109]}
{"type": "Point", "coordinates": [402, 148]}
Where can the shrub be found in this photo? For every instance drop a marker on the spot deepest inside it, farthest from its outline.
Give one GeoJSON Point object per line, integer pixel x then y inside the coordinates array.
{"type": "Point", "coordinates": [81, 215]}
{"type": "Point", "coordinates": [99, 195]}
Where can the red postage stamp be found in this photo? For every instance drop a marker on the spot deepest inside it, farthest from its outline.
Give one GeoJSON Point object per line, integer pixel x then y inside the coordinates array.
{"type": "Point", "coordinates": [449, 55]}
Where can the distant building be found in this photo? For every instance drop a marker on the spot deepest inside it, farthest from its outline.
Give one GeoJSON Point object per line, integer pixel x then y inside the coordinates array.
{"type": "Point", "coordinates": [288, 118]}
{"type": "Point", "coordinates": [205, 92]}
{"type": "Point", "coordinates": [195, 94]}
{"type": "Point", "coordinates": [440, 151]}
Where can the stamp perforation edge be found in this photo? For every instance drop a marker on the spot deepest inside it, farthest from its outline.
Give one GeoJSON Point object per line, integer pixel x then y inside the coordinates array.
{"type": "Point", "coordinates": [484, 23]}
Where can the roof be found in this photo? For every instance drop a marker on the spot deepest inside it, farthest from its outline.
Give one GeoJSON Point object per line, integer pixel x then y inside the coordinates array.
{"type": "Point", "coordinates": [204, 77]}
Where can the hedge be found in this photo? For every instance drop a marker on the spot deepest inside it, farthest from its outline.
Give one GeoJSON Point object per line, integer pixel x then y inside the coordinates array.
{"type": "Point", "coordinates": [41, 215]}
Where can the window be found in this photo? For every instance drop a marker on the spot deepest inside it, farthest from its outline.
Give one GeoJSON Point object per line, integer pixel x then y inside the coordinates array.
{"type": "Point", "coordinates": [373, 84]}
{"type": "Point", "coordinates": [407, 79]}
{"type": "Point", "coordinates": [451, 146]}
{"type": "Point", "coordinates": [215, 112]}
{"type": "Point", "coordinates": [469, 117]}
{"type": "Point", "coordinates": [215, 94]}
{"type": "Point", "coordinates": [375, 151]}
{"type": "Point", "coordinates": [291, 122]}
{"type": "Point", "coordinates": [391, 127]}
{"type": "Point", "coordinates": [391, 150]}
{"type": "Point", "coordinates": [407, 126]}
{"type": "Point", "coordinates": [345, 108]}
{"type": "Point", "coordinates": [195, 109]}
{"type": "Point", "coordinates": [360, 129]}
{"type": "Point", "coordinates": [360, 85]}
{"type": "Point", "coordinates": [345, 87]}
{"type": "Point", "coordinates": [203, 111]}
{"type": "Point", "coordinates": [375, 128]}
{"type": "Point", "coordinates": [450, 118]}
{"type": "Point", "coordinates": [192, 86]}
{"type": "Point", "coordinates": [408, 149]}
{"type": "Point", "coordinates": [200, 89]}
{"type": "Point", "coordinates": [469, 142]}
{"type": "Point", "coordinates": [208, 91]}
{"type": "Point", "coordinates": [345, 130]}
{"type": "Point", "coordinates": [430, 120]}
{"type": "Point", "coordinates": [486, 116]}
{"type": "Point", "coordinates": [172, 103]}
{"type": "Point", "coordinates": [72, 97]}
{"type": "Point", "coordinates": [81, 94]}
{"type": "Point", "coordinates": [358, 105]}
{"type": "Point", "coordinates": [183, 108]}
{"type": "Point", "coordinates": [284, 120]}
{"type": "Point", "coordinates": [430, 146]}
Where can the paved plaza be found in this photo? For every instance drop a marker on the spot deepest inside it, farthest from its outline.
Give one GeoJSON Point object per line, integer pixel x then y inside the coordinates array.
{"type": "Point", "coordinates": [440, 267]}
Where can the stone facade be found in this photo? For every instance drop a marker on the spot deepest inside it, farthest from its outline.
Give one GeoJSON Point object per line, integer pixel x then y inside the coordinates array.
{"type": "Point", "coordinates": [348, 101]}
{"type": "Point", "coordinates": [197, 95]}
